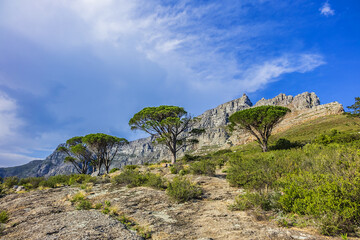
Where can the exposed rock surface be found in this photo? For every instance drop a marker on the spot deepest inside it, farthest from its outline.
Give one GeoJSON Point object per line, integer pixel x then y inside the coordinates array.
{"type": "Point", "coordinates": [47, 214]}
{"type": "Point", "coordinates": [305, 106]}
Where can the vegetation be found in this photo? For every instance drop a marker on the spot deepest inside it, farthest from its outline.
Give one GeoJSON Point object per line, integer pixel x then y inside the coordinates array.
{"type": "Point", "coordinates": [203, 167]}
{"type": "Point", "coordinates": [114, 170]}
{"type": "Point", "coordinates": [104, 147]}
{"type": "Point", "coordinates": [259, 122]}
{"type": "Point", "coordinates": [355, 108]}
{"type": "Point", "coordinates": [170, 126]}
{"type": "Point", "coordinates": [77, 154]}
{"type": "Point", "coordinates": [182, 190]}
{"type": "Point", "coordinates": [134, 178]}
{"type": "Point", "coordinates": [4, 217]}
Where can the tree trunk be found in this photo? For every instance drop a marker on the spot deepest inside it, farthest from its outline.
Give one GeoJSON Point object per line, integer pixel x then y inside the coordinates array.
{"type": "Point", "coordinates": [264, 147]}
{"type": "Point", "coordinates": [107, 169]}
{"type": "Point", "coordinates": [174, 158]}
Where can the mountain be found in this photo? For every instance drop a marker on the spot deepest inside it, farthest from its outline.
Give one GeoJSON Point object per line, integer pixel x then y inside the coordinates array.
{"type": "Point", "coordinates": [305, 107]}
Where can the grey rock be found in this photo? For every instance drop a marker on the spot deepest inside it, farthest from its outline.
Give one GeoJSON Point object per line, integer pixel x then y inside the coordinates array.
{"type": "Point", "coordinates": [214, 121]}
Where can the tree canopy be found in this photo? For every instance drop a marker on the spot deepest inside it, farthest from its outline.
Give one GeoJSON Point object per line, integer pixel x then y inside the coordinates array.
{"type": "Point", "coordinates": [169, 124]}
{"type": "Point", "coordinates": [355, 108]}
{"type": "Point", "coordinates": [105, 148]}
{"type": "Point", "coordinates": [258, 121]}
{"type": "Point", "coordinates": [77, 154]}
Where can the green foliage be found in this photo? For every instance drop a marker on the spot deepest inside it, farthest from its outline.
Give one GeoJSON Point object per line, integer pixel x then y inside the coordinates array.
{"type": "Point", "coordinates": [355, 107]}
{"type": "Point", "coordinates": [98, 206]}
{"type": "Point", "coordinates": [258, 121]}
{"type": "Point", "coordinates": [103, 145]}
{"type": "Point", "coordinates": [203, 167]}
{"type": "Point", "coordinates": [250, 200]}
{"type": "Point", "coordinates": [336, 136]}
{"type": "Point", "coordinates": [81, 178]}
{"type": "Point", "coordinates": [4, 217]}
{"type": "Point", "coordinates": [84, 205]}
{"type": "Point", "coordinates": [334, 200]}
{"type": "Point", "coordinates": [134, 178]}
{"type": "Point", "coordinates": [78, 197]}
{"type": "Point", "coordinates": [182, 190]}
{"type": "Point", "coordinates": [131, 224]}
{"type": "Point", "coordinates": [190, 158]}
{"type": "Point", "coordinates": [283, 144]}
{"type": "Point", "coordinates": [130, 167]}
{"type": "Point", "coordinates": [167, 124]}
{"type": "Point", "coordinates": [9, 182]}
{"type": "Point", "coordinates": [176, 168]}
{"type": "Point", "coordinates": [31, 182]}
{"type": "Point", "coordinates": [114, 170]}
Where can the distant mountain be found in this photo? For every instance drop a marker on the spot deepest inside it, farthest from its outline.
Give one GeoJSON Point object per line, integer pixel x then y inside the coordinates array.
{"type": "Point", "coordinates": [305, 106]}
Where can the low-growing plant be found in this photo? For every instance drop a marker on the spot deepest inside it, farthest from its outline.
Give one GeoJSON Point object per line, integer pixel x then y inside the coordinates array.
{"type": "Point", "coordinates": [4, 217]}
{"type": "Point", "coordinates": [283, 144]}
{"type": "Point", "coordinates": [251, 200]}
{"type": "Point", "coordinates": [9, 182]}
{"type": "Point", "coordinates": [106, 210]}
{"type": "Point", "coordinates": [182, 190]}
{"type": "Point", "coordinates": [84, 205]}
{"type": "Point", "coordinates": [130, 167]}
{"type": "Point", "coordinates": [134, 178]}
{"type": "Point", "coordinates": [107, 203]}
{"type": "Point", "coordinates": [98, 206]}
{"type": "Point", "coordinates": [78, 197]}
{"type": "Point", "coordinates": [203, 167]}
{"type": "Point", "coordinates": [114, 170]}
{"type": "Point", "coordinates": [31, 182]}
{"type": "Point", "coordinates": [176, 168]}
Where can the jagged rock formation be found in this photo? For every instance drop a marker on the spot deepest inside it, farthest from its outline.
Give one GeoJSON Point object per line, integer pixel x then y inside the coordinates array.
{"type": "Point", "coordinates": [305, 106]}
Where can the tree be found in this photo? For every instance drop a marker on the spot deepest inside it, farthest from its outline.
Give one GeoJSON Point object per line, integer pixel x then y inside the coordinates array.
{"type": "Point", "coordinates": [104, 147]}
{"type": "Point", "coordinates": [355, 107]}
{"type": "Point", "coordinates": [77, 154]}
{"type": "Point", "coordinates": [258, 121]}
{"type": "Point", "coordinates": [170, 125]}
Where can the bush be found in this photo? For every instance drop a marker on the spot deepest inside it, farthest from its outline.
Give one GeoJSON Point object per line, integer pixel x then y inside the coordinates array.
{"type": "Point", "coordinates": [114, 170]}
{"type": "Point", "coordinates": [333, 200]}
{"type": "Point", "coordinates": [130, 177]}
{"type": "Point", "coordinates": [55, 181]}
{"type": "Point", "coordinates": [176, 168]}
{"type": "Point", "coordinates": [9, 182]}
{"type": "Point", "coordinates": [254, 200]}
{"type": "Point", "coordinates": [4, 217]}
{"type": "Point", "coordinates": [203, 167]}
{"type": "Point", "coordinates": [31, 182]}
{"type": "Point", "coordinates": [81, 178]}
{"type": "Point", "coordinates": [283, 144]}
{"type": "Point", "coordinates": [336, 137]}
{"type": "Point", "coordinates": [131, 167]}
{"type": "Point", "coordinates": [77, 197]}
{"type": "Point", "coordinates": [84, 205]}
{"type": "Point", "coordinates": [182, 190]}
{"type": "Point", "coordinates": [189, 158]}
{"type": "Point", "coordinates": [133, 178]}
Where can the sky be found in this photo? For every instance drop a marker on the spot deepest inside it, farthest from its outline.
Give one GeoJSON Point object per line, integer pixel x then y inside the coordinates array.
{"type": "Point", "coordinates": [73, 67]}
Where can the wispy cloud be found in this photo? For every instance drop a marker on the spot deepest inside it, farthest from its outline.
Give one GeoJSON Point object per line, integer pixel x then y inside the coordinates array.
{"type": "Point", "coordinates": [326, 9]}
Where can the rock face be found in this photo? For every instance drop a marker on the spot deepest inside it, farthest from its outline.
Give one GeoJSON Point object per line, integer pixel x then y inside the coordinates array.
{"type": "Point", "coordinates": [305, 106]}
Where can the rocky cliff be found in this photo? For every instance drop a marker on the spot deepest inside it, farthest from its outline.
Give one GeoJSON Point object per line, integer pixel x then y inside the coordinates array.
{"type": "Point", "coordinates": [305, 106]}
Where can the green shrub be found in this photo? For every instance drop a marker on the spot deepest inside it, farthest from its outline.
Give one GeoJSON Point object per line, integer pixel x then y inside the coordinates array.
{"type": "Point", "coordinates": [81, 178]}
{"type": "Point", "coordinates": [131, 167]}
{"type": "Point", "coordinates": [84, 205]}
{"type": "Point", "coordinates": [203, 167]}
{"type": "Point", "coordinates": [31, 182]}
{"type": "Point", "coordinates": [9, 182]}
{"type": "Point", "coordinates": [4, 217]}
{"type": "Point", "coordinates": [155, 181]}
{"type": "Point", "coordinates": [107, 203]}
{"type": "Point", "coordinates": [114, 170]}
{"type": "Point", "coordinates": [283, 144]}
{"type": "Point", "coordinates": [78, 197]}
{"type": "Point", "coordinates": [253, 200]}
{"type": "Point", "coordinates": [176, 168]}
{"type": "Point", "coordinates": [98, 206]}
{"type": "Point", "coordinates": [106, 210]}
{"type": "Point", "coordinates": [182, 190]}
{"type": "Point", "coordinates": [131, 178]}
{"type": "Point", "coordinates": [333, 200]}
{"type": "Point", "coordinates": [190, 158]}
{"type": "Point", "coordinates": [55, 181]}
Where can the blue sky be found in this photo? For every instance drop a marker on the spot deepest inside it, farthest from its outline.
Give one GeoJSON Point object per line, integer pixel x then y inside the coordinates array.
{"type": "Point", "coordinates": [73, 67]}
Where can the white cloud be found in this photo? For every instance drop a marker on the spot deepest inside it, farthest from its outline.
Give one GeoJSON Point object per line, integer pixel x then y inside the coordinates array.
{"type": "Point", "coordinates": [9, 122]}
{"type": "Point", "coordinates": [326, 10]}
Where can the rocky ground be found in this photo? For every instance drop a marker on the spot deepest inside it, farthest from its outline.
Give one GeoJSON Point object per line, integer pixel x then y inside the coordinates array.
{"type": "Point", "coordinates": [48, 214]}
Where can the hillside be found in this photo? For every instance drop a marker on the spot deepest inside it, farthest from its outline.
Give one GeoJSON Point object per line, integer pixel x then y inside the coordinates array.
{"type": "Point", "coordinates": [218, 213]}
{"type": "Point", "coordinates": [305, 107]}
